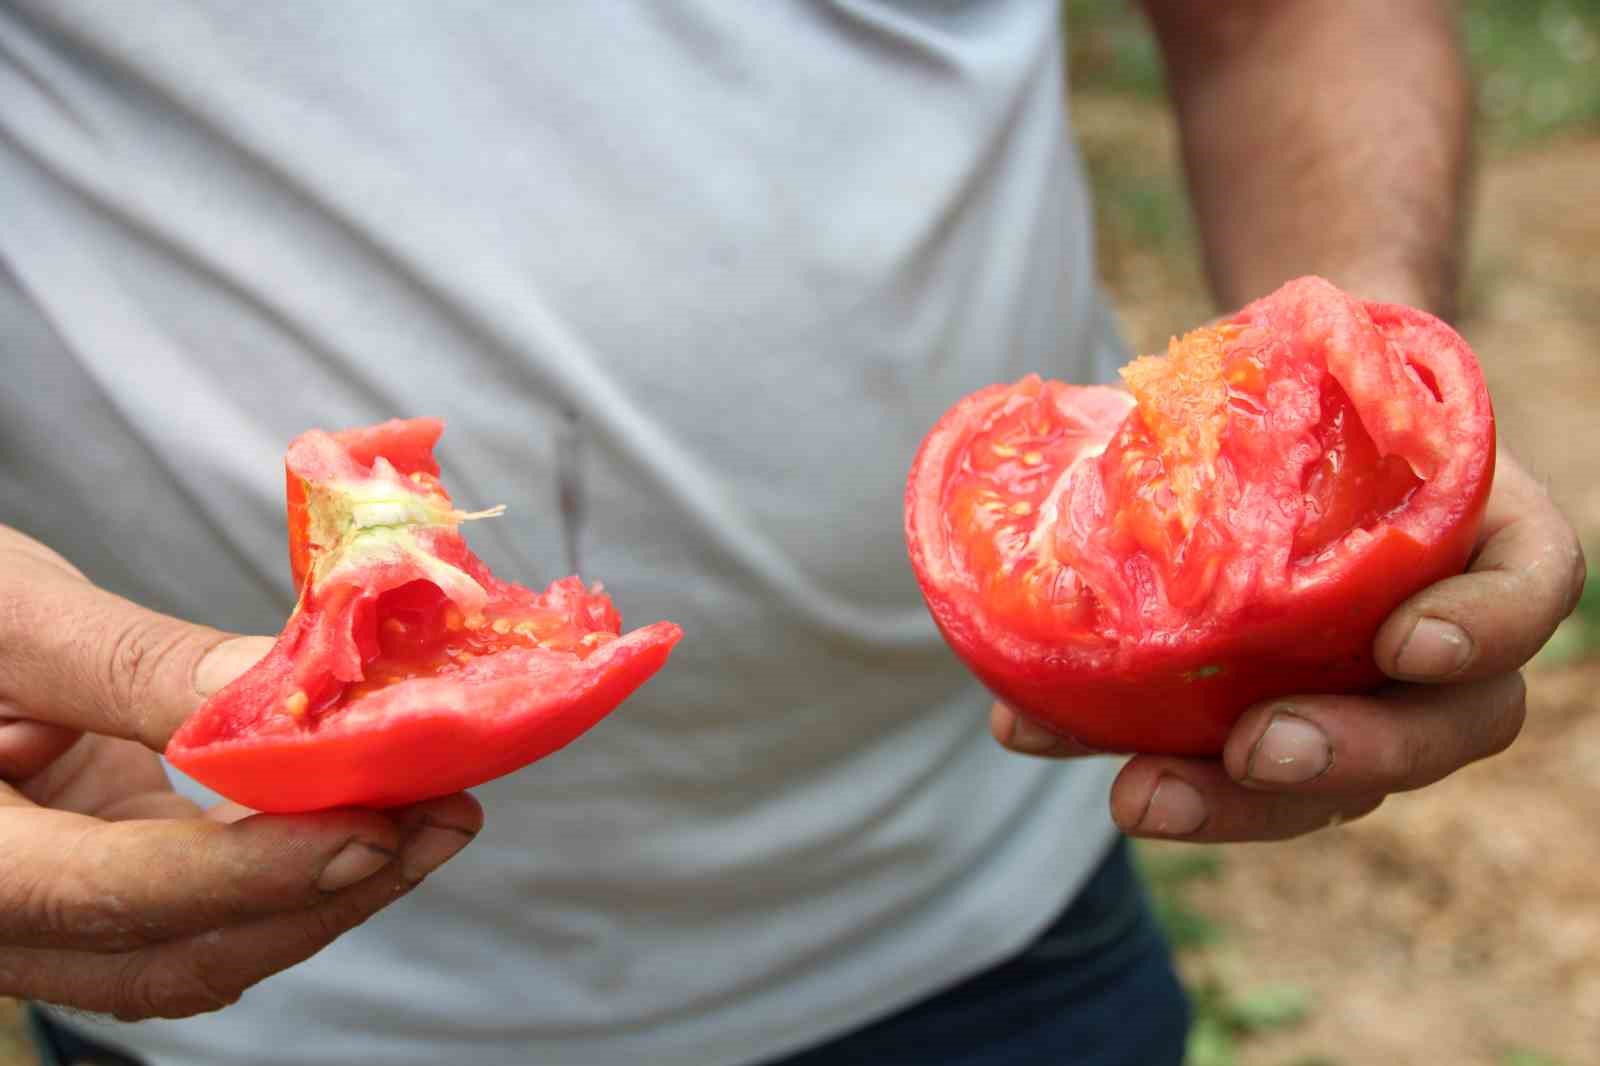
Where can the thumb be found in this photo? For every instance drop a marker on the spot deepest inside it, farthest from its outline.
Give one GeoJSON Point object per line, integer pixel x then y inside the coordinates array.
{"type": "Point", "coordinates": [74, 655]}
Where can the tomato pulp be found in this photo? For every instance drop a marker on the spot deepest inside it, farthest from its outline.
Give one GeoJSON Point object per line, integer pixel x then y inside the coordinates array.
{"type": "Point", "coordinates": [1134, 569]}
{"type": "Point", "coordinates": [407, 669]}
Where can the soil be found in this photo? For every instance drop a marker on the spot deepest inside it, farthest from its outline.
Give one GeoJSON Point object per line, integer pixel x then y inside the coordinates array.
{"type": "Point", "coordinates": [1461, 922]}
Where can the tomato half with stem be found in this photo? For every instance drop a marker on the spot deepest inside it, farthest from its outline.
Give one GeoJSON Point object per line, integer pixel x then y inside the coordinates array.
{"type": "Point", "coordinates": [1134, 569]}
{"type": "Point", "coordinates": [407, 670]}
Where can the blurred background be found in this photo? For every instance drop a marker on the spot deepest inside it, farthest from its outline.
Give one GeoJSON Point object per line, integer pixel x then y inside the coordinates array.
{"type": "Point", "coordinates": [1460, 925]}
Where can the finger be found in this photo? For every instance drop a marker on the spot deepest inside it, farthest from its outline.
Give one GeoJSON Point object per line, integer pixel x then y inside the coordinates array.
{"type": "Point", "coordinates": [144, 806]}
{"type": "Point", "coordinates": [229, 812]}
{"type": "Point", "coordinates": [180, 978]}
{"type": "Point", "coordinates": [18, 550]}
{"type": "Point", "coordinates": [26, 748]}
{"type": "Point", "coordinates": [1190, 799]}
{"type": "Point", "coordinates": [75, 882]}
{"type": "Point", "coordinates": [1027, 737]}
{"type": "Point", "coordinates": [1526, 577]}
{"type": "Point", "coordinates": [1407, 737]}
{"type": "Point", "coordinates": [95, 773]}
{"type": "Point", "coordinates": [78, 656]}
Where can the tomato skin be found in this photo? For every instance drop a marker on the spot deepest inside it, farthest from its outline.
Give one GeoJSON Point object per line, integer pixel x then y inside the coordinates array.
{"type": "Point", "coordinates": [429, 740]}
{"type": "Point", "coordinates": [407, 670]}
{"type": "Point", "coordinates": [1163, 674]}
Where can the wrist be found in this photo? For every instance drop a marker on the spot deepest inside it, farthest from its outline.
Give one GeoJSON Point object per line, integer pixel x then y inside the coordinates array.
{"type": "Point", "coordinates": [1370, 280]}
{"type": "Point", "coordinates": [1434, 291]}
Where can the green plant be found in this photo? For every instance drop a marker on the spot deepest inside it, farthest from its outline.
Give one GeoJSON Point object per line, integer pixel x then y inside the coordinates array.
{"type": "Point", "coordinates": [1536, 64]}
{"type": "Point", "coordinates": [1223, 1019]}
{"type": "Point", "coordinates": [1168, 873]}
{"type": "Point", "coordinates": [1110, 46]}
{"type": "Point", "coordinates": [1524, 1057]}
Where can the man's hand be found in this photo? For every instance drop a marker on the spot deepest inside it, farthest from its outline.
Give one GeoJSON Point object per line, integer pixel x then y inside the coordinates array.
{"type": "Point", "coordinates": [1306, 762]}
{"type": "Point", "coordinates": [116, 894]}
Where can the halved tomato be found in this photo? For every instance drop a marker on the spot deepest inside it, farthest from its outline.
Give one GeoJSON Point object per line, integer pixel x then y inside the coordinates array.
{"type": "Point", "coordinates": [407, 669]}
{"type": "Point", "coordinates": [1134, 569]}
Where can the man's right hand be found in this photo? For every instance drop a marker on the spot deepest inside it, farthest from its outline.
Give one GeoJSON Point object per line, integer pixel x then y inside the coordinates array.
{"type": "Point", "coordinates": [116, 894]}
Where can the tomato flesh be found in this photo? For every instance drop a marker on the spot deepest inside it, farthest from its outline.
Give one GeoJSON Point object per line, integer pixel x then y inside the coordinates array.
{"type": "Point", "coordinates": [407, 670]}
{"type": "Point", "coordinates": [1237, 528]}
{"type": "Point", "coordinates": [419, 632]}
{"type": "Point", "coordinates": [1351, 486]}
{"type": "Point", "coordinates": [999, 500]}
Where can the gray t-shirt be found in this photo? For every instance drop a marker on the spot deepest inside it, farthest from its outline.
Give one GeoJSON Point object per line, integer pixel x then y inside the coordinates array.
{"type": "Point", "coordinates": [688, 282]}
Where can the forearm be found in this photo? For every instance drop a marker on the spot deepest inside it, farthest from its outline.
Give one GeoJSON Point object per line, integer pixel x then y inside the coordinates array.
{"type": "Point", "coordinates": [1326, 138]}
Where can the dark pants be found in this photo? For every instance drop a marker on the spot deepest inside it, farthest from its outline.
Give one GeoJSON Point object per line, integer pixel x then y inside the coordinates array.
{"type": "Point", "coordinates": [1095, 989]}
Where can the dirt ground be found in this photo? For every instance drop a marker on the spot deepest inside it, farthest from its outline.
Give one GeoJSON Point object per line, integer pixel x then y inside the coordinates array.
{"type": "Point", "coordinates": [1462, 922]}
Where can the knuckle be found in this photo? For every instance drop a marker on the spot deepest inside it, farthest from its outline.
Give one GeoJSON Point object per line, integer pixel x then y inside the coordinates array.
{"type": "Point", "coordinates": [1507, 722]}
{"type": "Point", "coordinates": [20, 975]}
{"type": "Point", "coordinates": [331, 921]}
{"type": "Point", "coordinates": [1356, 811]}
{"type": "Point", "coordinates": [20, 615]}
{"type": "Point", "coordinates": [139, 648]}
{"type": "Point", "coordinates": [1403, 763]}
{"type": "Point", "coordinates": [172, 986]}
{"type": "Point", "coordinates": [35, 905]}
{"type": "Point", "coordinates": [1290, 816]}
{"type": "Point", "coordinates": [328, 925]}
{"type": "Point", "coordinates": [52, 903]}
{"type": "Point", "coordinates": [68, 906]}
{"type": "Point", "coordinates": [1578, 576]}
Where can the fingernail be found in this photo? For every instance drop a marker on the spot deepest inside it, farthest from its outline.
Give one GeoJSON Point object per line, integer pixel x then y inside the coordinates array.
{"type": "Point", "coordinates": [1176, 808]}
{"type": "Point", "coordinates": [431, 847]}
{"type": "Point", "coordinates": [1434, 649]}
{"type": "Point", "coordinates": [227, 661]}
{"type": "Point", "coordinates": [357, 861]}
{"type": "Point", "coordinates": [1291, 751]}
{"type": "Point", "coordinates": [1031, 738]}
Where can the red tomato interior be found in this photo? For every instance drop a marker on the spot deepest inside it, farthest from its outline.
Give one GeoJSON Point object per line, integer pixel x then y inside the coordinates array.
{"type": "Point", "coordinates": [1134, 569]}
{"type": "Point", "coordinates": [415, 631]}
{"type": "Point", "coordinates": [1000, 501]}
{"type": "Point", "coordinates": [1351, 486]}
{"type": "Point", "coordinates": [1237, 448]}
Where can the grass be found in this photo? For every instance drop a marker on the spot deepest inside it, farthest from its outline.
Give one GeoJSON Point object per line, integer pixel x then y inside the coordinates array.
{"type": "Point", "coordinates": [1524, 1057]}
{"type": "Point", "coordinates": [1537, 65]}
{"type": "Point", "coordinates": [1225, 1019]}
{"type": "Point", "coordinates": [1536, 62]}
{"type": "Point", "coordinates": [1225, 1016]}
{"type": "Point", "coordinates": [1111, 48]}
